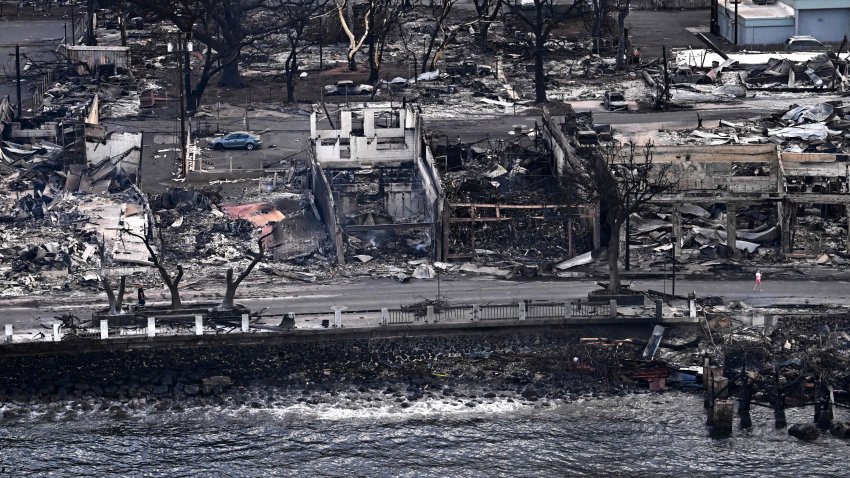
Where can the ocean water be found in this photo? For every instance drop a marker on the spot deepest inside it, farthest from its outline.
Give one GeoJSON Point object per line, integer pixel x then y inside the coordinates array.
{"type": "Point", "coordinates": [637, 435]}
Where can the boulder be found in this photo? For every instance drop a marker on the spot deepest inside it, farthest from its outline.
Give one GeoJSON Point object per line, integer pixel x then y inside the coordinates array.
{"type": "Point", "coordinates": [215, 380]}
{"type": "Point", "coordinates": [840, 429]}
{"type": "Point", "coordinates": [804, 431]}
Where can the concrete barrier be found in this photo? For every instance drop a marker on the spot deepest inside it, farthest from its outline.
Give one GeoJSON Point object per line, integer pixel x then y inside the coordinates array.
{"type": "Point", "coordinates": [56, 335]}
{"type": "Point", "coordinates": [246, 325]}
{"type": "Point", "coordinates": [522, 310]}
{"type": "Point", "coordinates": [338, 314]}
{"type": "Point", "coordinates": [151, 326]}
{"type": "Point", "coordinates": [199, 325]}
{"type": "Point", "coordinates": [104, 329]}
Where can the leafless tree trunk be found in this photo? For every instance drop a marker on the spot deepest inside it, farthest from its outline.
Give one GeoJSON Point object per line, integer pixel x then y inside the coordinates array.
{"type": "Point", "coordinates": [122, 22]}
{"type": "Point", "coordinates": [354, 45]}
{"type": "Point", "coordinates": [171, 282]}
{"type": "Point", "coordinates": [540, 21]}
{"type": "Point", "coordinates": [486, 13]}
{"type": "Point", "coordinates": [623, 180]}
{"type": "Point", "coordinates": [232, 285]}
{"type": "Point", "coordinates": [116, 302]}
{"type": "Point", "coordinates": [622, 13]}
{"type": "Point", "coordinates": [442, 14]}
{"type": "Point", "coordinates": [385, 17]}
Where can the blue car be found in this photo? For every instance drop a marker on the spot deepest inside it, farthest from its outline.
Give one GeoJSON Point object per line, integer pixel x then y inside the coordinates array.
{"type": "Point", "coordinates": [237, 139]}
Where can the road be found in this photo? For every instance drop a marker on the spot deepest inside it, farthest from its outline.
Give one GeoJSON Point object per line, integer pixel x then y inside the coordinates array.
{"type": "Point", "coordinates": [372, 294]}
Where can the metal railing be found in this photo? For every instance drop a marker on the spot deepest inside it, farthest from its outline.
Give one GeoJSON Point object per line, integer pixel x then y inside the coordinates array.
{"type": "Point", "coordinates": [499, 312]}
{"type": "Point", "coordinates": [401, 316]}
{"type": "Point", "coordinates": [590, 309]}
{"type": "Point", "coordinates": [517, 311]}
{"type": "Point", "coordinates": [454, 313]}
{"type": "Point", "coordinates": [545, 311]}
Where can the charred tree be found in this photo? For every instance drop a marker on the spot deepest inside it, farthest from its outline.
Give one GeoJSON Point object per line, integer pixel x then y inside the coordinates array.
{"type": "Point", "coordinates": [486, 12]}
{"type": "Point", "coordinates": [116, 301]}
{"type": "Point", "coordinates": [600, 12]}
{"type": "Point", "coordinates": [622, 179]}
{"type": "Point", "coordinates": [622, 13]}
{"type": "Point", "coordinates": [385, 17]}
{"type": "Point", "coordinates": [296, 16]}
{"type": "Point", "coordinates": [440, 16]}
{"type": "Point", "coordinates": [232, 285]}
{"type": "Point", "coordinates": [172, 282]}
{"type": "Point", "coordinates": [539, 19]}
{"type": "Point", "coordinates": [224, 27]}
{"type": "Point", "coordinates": [354, 44]}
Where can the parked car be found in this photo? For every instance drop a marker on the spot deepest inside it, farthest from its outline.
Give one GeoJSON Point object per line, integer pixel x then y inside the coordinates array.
{"type": "Point", "coordinates": [804, 43]}
{"type": "Point", "coordinates": [237, 139]}
{"type": "Point", "coordinates": [615, 101]}
{"type": "Point", "coordinates": [348, 87]}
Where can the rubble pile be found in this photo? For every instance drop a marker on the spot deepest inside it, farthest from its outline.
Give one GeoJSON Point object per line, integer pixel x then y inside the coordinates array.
{"type": "Point", "coordinates": [818, 72]}
{"type": "Point", "coordinates": [505, 203]}
{"type": "Point", "coordinates": [818, 128]}
{"type": "Point", "coordinates": [204, 234]}
{"type": "Point", "coordinates": [704, 235]}
{"type": "Point", "coordinates": [55, 233]}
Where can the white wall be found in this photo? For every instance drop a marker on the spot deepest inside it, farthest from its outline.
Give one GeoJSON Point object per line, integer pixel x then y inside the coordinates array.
{"type": "Point", "coordinates": [765, 35]}
{"type": "Point", "coordinates": [825, 24]}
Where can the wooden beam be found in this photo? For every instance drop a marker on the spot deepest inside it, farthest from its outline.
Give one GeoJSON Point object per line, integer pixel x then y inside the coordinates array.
{"type": "Point", "coordinates": [387, 227]}
{"type": "Point", "coordinates": [514, 206]}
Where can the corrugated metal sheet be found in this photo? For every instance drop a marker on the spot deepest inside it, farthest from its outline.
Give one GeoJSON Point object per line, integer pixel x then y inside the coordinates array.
{"type": "Point", "coordinates": [92, 56]}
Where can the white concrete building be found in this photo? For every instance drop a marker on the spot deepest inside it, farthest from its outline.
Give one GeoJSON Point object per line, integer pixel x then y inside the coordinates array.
{"type": "Point", "coordinates": [826, 20]}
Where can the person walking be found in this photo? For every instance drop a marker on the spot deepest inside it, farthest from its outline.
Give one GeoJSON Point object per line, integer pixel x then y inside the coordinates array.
{"type": "Point", "coordinates": [758, 280]}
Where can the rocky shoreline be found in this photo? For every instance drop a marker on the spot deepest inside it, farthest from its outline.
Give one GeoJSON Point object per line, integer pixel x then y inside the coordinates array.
{"type": "Point", "coordinates": [529, 368]}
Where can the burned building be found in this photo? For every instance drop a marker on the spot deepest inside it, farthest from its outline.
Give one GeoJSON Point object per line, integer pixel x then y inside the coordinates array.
{"type": "Point", "coordinates": [504, 202]}
{"type": "Point", "coordinates": [737, 200]}
{"type": "Point", "coordinates": [374, 182]}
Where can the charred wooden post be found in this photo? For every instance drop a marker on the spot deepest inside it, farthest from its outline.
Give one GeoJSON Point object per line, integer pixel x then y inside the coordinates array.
{"type": "Point", "coordinates": [723, 417]}
{"type": "Point", "coordinates": [731, 235]}
{"type": "Point", "coordinates": [823, 405]}
{"type": "Point", "coordinates": [745, 419]}
{"type": "Point", "coordinates": [778, 399]}
{"type": "Point", "coordinates": [677, 229]}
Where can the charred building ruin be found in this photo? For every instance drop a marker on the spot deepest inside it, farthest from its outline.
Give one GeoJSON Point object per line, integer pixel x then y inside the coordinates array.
{"type": "Point", "coordinates": [374, 182]}
{"type": "Point", "coordinates": [743, 195]}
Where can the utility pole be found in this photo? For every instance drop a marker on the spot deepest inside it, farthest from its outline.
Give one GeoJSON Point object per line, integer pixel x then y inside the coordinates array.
{"type": "Point", "coordinates": [322, 44]}
{"type": "Point", "coordinates": [628, 226]}
{"type": "Point", "coordinates": [18, 75]}
{"type": "Point", "coordinates": [91, 40]}
{"type": "Point", "coordinates": [73, 24]}
{"type": "Point", "coordinates": [675, 239]}
{"type": "Point", "coordinates": [190, 105]}
{"type": "Point", "coordinates": [736, 22]}
{"type": "Point", "coordinates": [666, 77]}
{"type": "Point", "coordinates": [183, 146]}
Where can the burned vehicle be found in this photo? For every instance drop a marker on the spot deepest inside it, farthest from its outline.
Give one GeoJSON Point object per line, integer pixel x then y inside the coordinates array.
{"type": "Point", "coordinates": [615, 101]}
{"type": "Point", "coordinates": [348, 87]}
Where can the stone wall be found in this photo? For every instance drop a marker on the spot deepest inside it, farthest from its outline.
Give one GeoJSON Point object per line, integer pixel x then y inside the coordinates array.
{"type": "Point", "coordinates": [544, 361]}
